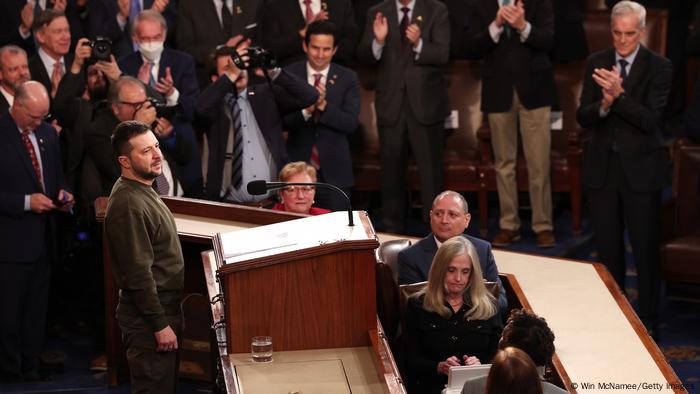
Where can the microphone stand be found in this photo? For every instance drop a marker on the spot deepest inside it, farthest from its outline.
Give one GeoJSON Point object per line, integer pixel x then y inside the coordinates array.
{"type": "Point", "coordinates": [282, 185]}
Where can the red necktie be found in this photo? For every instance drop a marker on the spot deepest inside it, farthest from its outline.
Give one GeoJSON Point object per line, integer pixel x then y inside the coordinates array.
{"type": "Point", "coordinates": [32, 154]}
{"type": "Point", "coordinates": [315, 159]}
{"type": "Point", "coordinates": [309, 16]}
{"type": "Point", "coordinates": [404, 24]}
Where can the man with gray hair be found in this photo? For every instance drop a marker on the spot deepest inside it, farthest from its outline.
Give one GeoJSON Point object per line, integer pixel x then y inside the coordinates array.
{"type": "Point", "coordinates": [449, 217]}
{"type": "Point", "coordinates": [31, 191]}
{"type": "Point", "coordinates": [172, 74]}
{"type": "Point", "coordinates": [624, 95]}
{"type": "Point", "coordinates": [14, 70]}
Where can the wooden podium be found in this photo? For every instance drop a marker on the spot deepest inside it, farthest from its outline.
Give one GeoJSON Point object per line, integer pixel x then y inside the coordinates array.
{"type": "Point", "coordinates": [310, 284]}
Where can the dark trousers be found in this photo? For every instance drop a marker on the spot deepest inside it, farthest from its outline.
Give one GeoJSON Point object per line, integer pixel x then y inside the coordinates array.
{"type": "Point", "coordinates": [24, 294]}
{"type": "Point", "coordinates": [616, 207]}
{"type": "Point", "coordinates": [151, 371]}
{"type": "Point", "coordinates": [330, 199]}
{"type": "Point", "coordinates": [426, 143]}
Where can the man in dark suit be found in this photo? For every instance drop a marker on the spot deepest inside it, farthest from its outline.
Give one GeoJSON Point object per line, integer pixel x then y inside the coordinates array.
{"type": "Point", "coordinates": [111, 19]}
{"type": "Point", "coordinates": [31, 191]}
{"type": "Point", "coordinates": [409, 45]}
{"type": "Point", "coordinates": [449, 217]}
{"type": "Point", "coordinates": [285, 23]}
{"type": "Point", "coordinates": [202, 25]}
{"type": "Point", "coordinates": [518, 88]}
{"type": "Point", "coordinates": [319, 134]}
{"type": "Point", "coordinates": [253, 111]}
{"type": "Point", "coordinates": [52, 32]}
{"type": "Point", "coordinates": [128, 101]}
{"type": "Point", "coordinates": [172, 74]}
{"type": "Point", "coordinates": [14, 70]}
{"type": "Point", "coordinates": [623, 99]}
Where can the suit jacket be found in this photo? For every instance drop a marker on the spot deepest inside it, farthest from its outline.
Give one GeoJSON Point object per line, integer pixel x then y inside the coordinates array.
{"type": "Point", "coordinates": [10, 20]}
{"type": "Point", "coordinates": [269, 102]}
{"type": "Point", "coordinates": [569, 35]}
{"type": "Point", "coordinates": [414, 263]}
{"type": "Point", "coordinates": [510, 63]}
{"type": "Point", "coordinates": [22, 234]}
{"type": "Point", "coordinates": [39, 72]}
{"type": "Point", "coordinates": [634, 123]}
{"type": "Point", "coordinates": [102, 21]}
{"type": "Point", "coordinates": [330, 133]}
{"type": "Point", "coordinates": [182, 70]}
{"type": "Point", "coordinates": [399, 73]}
{"type": "Point", "coordinates": [199, 29]}
{"type": "Point", "coordinates": [283, 19]}
{"type": "Point", "coordinates": [4, 105]}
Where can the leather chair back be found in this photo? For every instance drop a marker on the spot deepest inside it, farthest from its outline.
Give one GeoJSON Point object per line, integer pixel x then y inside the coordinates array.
{"type": "Point", "coordinates": [387, 285]}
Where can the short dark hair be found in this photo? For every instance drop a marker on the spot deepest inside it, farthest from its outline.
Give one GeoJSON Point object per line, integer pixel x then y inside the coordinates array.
{"type": "Point", "coordinates": [321, 27]}
{"type": "Point", "coordinates": [45, 18]}
{"type": "Point", "coordinates": [221, 51]}
{"type": "Point", "coordinates": [123, 133]}
{"type": "Point", "coordinates": [531, 334]}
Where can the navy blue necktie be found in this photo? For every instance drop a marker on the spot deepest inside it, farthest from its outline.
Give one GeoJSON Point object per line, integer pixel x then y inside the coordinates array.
{"type": "Point", "coordinates": [237, 154]}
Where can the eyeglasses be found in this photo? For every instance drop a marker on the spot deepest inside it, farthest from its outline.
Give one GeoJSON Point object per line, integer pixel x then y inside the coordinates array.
{"type": "Point", "coordinates": [135, 105]}
{"type": "Point", "coordinates": [301, 189]}
{"type": "Point", "coordinates": [39, 117]}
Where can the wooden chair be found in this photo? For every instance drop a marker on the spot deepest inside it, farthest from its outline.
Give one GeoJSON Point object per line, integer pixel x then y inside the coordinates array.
{"type": "Point", "coordinates": [680, 253]}
{"type": "Point", "coordinates": [387, 285]}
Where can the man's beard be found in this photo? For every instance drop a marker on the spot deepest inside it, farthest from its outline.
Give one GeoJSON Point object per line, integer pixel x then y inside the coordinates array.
{"type": "Point", "coordinates": [98, 93]}
{"type": "Point", "coordinates": [148, 174]}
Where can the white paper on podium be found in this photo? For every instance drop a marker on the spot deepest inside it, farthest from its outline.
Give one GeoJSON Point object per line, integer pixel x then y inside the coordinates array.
{"type": "Point", "coordinates": [288, 236]}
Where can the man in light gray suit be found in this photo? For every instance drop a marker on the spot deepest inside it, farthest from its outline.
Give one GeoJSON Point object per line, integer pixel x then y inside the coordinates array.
{"type": "Point", "coordinates": [409, 42]}
{"type": "Point", "coordinates": [531, 334]}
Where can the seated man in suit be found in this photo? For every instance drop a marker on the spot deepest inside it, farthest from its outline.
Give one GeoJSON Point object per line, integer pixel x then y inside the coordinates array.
{"type": "Point", "coordinates": [449, 217]}
{"type": "Point", "coordinates": [531, 334]}
{"type": "Point", "coordinates": [238, 112]}
{"type": "Point", "coordinates": [319, 134]}
{"type": "Point", "coordinates": [128, 101]}
{"type": "Point", "coordinates": [172, 74]}
{"type": "Point", "coordinates": [14, 70]}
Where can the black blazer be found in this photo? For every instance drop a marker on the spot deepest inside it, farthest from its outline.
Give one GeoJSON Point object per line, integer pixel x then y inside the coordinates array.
{"type": "Point", "coordinates": [22, 233]}
{"type": "Point", "coordinates": [269, 102]}
{"type": "Point", "coordinates": [634, 123]}
{"type": "Point", "coordinates": [511, 64]}
{"type": "Point", "coordinates": [283, 19]}
{"type": "Point", "coordinates": [4, 105]}
{"type": "Point", "coordinates": [39, 72]}
{"type": "Point", "coordinates": [414, 263]}
{"type": "Point", "coordinates": [399, 73]}
{"type": "Point", "coordinates": [199, 30]}
{"type": "Point", "coordinates": [330, 133]}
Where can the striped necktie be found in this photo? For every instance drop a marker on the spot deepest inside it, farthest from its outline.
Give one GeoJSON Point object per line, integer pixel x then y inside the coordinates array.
{"type": "Point", "coordinates": [237, 153]}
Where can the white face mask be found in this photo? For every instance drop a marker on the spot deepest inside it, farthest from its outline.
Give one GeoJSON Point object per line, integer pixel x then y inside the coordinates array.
{"type": "Point", "coordinates": [151, 50]}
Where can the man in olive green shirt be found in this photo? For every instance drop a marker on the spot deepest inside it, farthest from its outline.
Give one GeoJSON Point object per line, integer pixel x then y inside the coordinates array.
{"type": "Point", "coordinates": [147, 261]}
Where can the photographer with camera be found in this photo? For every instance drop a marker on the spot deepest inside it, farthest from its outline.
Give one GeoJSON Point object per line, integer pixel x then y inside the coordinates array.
{"type": "Point", "coordinates": [172, 74]}
{"type": "Point", "coordinates": [127, 100]}
{"type": "Point", "coordinates": [238, 111]}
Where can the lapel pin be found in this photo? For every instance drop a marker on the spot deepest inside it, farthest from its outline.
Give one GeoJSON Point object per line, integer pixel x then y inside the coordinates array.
{"type": "Point", "coordinates": [324, 6]}
{"type": "Point", "coordinates": [419, 19]}
{"type": "Point", "coordinates": [239, 11]}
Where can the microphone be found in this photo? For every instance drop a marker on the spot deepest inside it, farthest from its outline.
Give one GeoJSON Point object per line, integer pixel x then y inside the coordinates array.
{"type": "Point", "coordinates": [259, 187]}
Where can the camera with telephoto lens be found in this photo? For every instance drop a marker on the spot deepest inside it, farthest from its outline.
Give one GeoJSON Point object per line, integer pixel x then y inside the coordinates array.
{"type": "Point", "coordinates": [101, 49]}
{"type": "Point", "coordinates": [162, 109]}
{"type": "Point", "coordinates": [257, 58]}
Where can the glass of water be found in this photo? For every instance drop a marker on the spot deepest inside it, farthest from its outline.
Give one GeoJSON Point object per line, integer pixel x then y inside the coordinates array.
{"type": "Point", "coordinates": [261, 349]}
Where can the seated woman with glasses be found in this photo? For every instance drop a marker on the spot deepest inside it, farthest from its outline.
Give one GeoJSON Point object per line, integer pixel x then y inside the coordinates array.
{"type": "Point", "coordinates": [298, 199]}
{"type": "Point", "coordinates": [452, 321]}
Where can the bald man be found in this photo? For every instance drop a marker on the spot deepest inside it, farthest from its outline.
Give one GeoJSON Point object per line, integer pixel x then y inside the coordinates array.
{"type": "Point", "coordinates": [31, 193]}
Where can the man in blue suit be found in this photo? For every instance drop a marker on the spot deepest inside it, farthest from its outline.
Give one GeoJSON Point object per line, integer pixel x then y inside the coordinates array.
{"type": "Point", "coordinates": [449, 217]}
{"type": "Point", "coordinates": [32, 189]}
{"type": "Point", "coordinates": [231, 105]}
{"type": "Point", "coordinates": [319, 134]}
{"type": "Point", "coordinates": [172, 74]}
